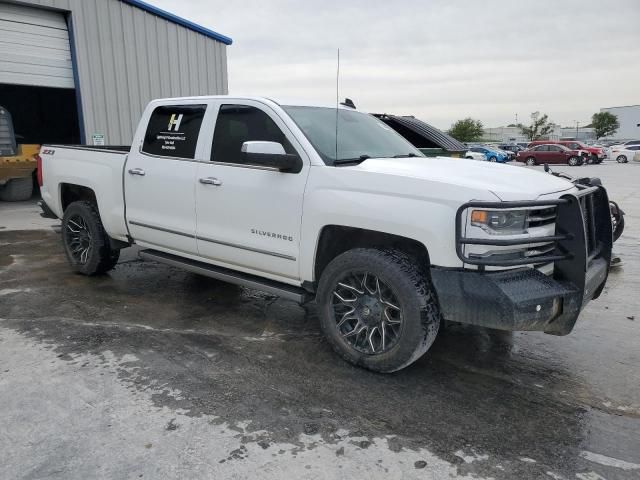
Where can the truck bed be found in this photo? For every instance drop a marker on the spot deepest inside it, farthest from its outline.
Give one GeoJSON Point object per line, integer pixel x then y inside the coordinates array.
{"type": "Point", "coordinates": [96, 168]}
{"type": "Point", "coordinates": [122, 149]}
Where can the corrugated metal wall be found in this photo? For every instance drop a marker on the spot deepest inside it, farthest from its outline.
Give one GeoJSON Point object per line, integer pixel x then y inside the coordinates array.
{"type": "Point", "coordinates": [126, 57]}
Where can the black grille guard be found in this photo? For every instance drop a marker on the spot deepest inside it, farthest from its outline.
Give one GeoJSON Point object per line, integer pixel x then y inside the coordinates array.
{"type": "Point", "coordinates": [583, 233]}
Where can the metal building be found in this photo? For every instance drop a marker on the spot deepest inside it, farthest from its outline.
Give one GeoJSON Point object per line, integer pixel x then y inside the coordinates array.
{"type": "Point", "coordinates": [629, 119]}
{"type": "Point", "coordinates": [82, 71]}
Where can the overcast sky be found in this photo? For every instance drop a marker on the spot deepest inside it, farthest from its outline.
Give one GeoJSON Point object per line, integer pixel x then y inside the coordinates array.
{"type": "Point", "coordinates": [437, 60]}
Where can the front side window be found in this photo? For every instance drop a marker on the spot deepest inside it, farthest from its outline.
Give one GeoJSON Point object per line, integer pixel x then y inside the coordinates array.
{"type": "Point", "coordinates": [237, 124]}
{"type": "Point", "coordinates": [173, 130]}
{"type": "Point", "coordinates": [359, 135]}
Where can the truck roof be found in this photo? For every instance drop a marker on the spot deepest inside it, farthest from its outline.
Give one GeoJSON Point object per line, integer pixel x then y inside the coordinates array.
{"type": "Point", "coordinates": [284, 101]}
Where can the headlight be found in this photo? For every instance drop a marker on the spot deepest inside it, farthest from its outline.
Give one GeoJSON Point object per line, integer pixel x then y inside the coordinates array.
{"type": "Point", "coordinates": [500, 222]}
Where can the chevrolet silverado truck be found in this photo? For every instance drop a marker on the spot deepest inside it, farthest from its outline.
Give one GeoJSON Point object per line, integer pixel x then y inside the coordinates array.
{"type": "Point", "coordinates": [330, 204]}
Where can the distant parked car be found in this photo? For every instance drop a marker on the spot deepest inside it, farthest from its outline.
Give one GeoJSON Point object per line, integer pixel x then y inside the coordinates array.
{"type": "Point", "coordinates": [492, 154]}
{"type": "Point", "coordinates": [632, 142]}
{"type": "Point", "coordinates": [593, 154]}
{"type": "Point", "coordinates": [510, 150]}
{"type": "Point", "coordinates": [550, 153]}
{"type": "Point", "coordinates": [511, 147]}
{"type": "Point", "coordinates": [622, 154]}
{"type": "Point", "coordinates": [471, 155]}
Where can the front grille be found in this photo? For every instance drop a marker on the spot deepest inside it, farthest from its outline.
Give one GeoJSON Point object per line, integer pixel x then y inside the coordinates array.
{"type": "Point", "coordinates": [581, 232]}
{"type": "Point", "coordinates": [541, 217]}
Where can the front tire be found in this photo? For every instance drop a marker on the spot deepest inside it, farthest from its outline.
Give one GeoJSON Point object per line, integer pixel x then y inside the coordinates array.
{"type": "Point", "coordinates": [85, 240]}
{"type": "Point", "coordinates": [531, 161]}
{"type": "Point", "coordinates": [493, 159]}
{"type": "Point", "coordinates": [377, 309]}
{"type": "Point", "coordinates": [622, 159]}
{"type": "Point", "coordinates": [574, 161]}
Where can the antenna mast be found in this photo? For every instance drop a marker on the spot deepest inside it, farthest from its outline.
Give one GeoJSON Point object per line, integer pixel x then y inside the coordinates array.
{"type": "Point", "coordinates": [337, 100]}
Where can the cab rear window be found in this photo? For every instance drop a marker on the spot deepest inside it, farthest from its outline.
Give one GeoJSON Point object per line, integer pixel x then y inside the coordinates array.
{"type": "Point", "coordinates": [173, 130]}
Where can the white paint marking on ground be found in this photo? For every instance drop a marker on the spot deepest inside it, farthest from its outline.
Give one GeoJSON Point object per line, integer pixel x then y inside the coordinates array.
{"type": "Point", "coordinates": [609, 461]}
{"type": "Point", "coordinates": [527, 460]}
{"type": "Point", "coordinates": [9, 291]}
{"type": "Point", "coordinates": [590, 476]}
{"type": "Point", "coordinates": [555, 476]}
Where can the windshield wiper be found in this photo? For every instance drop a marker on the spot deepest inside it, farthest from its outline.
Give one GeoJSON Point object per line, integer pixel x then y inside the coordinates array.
{"type": "Point", "coordinates": [361, 158]}
{"type": "Point", "coordinates": [405, 155]}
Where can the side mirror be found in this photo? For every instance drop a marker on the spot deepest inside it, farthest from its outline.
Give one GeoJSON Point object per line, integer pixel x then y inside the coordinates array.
{"type": "Point", "coordinates": [270, 154]}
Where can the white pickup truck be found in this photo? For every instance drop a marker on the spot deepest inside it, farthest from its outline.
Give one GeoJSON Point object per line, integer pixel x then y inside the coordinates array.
{"type": "Point", "coordinates": [387, 242]}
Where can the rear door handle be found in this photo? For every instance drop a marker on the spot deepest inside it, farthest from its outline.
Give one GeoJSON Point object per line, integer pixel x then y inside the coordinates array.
{"type": "Point", "coordinates": [211, 181]}
{"type": "Point", "coordinates": [136, 171]}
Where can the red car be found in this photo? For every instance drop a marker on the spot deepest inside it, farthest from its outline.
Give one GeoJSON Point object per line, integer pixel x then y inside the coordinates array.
{"type": "Point", "coordinates": [593, 154]}
{"type": "Point", "coordinates": [550, 153]}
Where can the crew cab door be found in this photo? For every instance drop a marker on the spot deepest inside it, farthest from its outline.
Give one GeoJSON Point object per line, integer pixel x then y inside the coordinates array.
{"type": "Point", "coordinates": [249, 216]}
{"type": "Point", "coordinates": [159, 179]}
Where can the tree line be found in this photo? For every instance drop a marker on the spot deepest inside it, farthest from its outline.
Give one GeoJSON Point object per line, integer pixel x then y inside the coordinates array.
{"type": "Point", "coordinates": [468, 129]}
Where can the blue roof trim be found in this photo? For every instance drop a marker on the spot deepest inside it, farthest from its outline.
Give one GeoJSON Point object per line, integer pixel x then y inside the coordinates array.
{"type": "Point", "coordinates": [180, 21]}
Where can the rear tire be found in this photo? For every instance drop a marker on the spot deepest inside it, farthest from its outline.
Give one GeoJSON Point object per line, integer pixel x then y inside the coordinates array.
{"type": "Point", "coordinates": [493, 159]}
{"type": "Point", "coordinates": [17, 190]}
{"type": "Point", "coordinates": [85, 240]}
{"type": "Point", "coordinates": [621, 159]}
{"type": "Point", "coordinates": [531, 161]}
{"type": "Point", "coordinates": [384, 297]}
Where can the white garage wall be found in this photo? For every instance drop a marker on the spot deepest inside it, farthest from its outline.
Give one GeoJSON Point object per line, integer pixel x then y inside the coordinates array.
{"type": "Point", "coordinates": [629, 119]}
{"type": "Point", "coordinates": [126, 57]}
{"type": "Point", "coordinates": [34, 47]}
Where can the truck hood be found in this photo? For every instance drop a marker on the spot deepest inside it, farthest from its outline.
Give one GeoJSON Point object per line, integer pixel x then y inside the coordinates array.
{"type": "Point", "coordinates": [507, 182]}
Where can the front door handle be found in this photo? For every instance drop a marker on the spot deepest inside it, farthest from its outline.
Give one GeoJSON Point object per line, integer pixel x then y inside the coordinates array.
{"type": "Point", "coordinates": [136, 171]}
{"type": "Point", "coordinates": [211, 181]}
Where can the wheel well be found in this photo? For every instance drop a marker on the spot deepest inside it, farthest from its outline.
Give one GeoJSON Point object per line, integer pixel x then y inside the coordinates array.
{"type": "Point", "coordinates": [336, 239]}
{"type": "Point", "coordinates": [70, 193]}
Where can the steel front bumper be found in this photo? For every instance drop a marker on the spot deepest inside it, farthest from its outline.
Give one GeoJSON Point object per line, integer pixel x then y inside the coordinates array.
{"type": "Point", "coordinates": [522, 299]}
{"type": "Point", "coordinates": [525, 298]}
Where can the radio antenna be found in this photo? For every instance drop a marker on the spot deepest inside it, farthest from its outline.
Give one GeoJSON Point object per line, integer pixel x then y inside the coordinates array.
{"type": "Point", "coordinates": [337, 100]}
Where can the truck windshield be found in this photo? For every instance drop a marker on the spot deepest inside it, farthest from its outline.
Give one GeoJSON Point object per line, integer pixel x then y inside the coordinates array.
{"type": "Point", "coordinates": [360, 136]}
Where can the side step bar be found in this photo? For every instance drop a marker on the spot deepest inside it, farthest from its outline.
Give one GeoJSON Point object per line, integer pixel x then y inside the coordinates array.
{"type": "Point", "coordinates": [231, 276]}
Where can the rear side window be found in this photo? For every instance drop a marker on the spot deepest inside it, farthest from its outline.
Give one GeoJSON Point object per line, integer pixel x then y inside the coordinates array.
{"type": "Point", "coordinates": [173, 130]}
{"type": "Point", "coordinates": [237, 124]}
